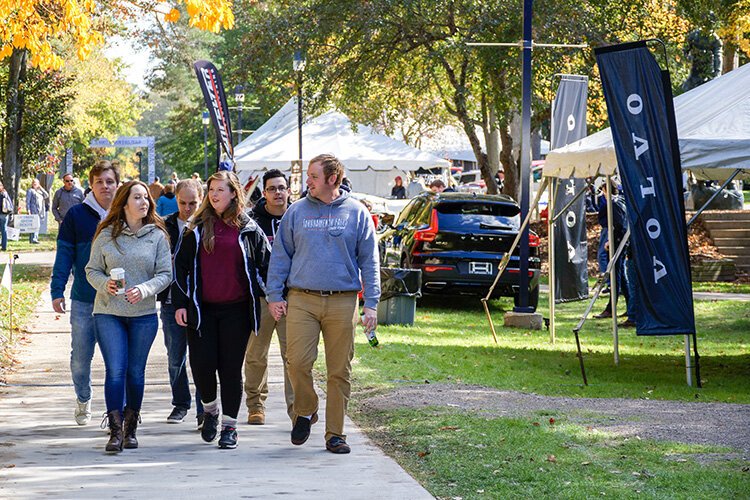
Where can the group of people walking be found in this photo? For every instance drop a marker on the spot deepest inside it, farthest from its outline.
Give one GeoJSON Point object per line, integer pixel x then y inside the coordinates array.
{"type": "Point", "coordinates": [223, 290]}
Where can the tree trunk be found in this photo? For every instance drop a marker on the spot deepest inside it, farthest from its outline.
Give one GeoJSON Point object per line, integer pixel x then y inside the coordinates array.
{"type": "Point", "coordinates": [492, 139]}
{"type": "Point", "coordinates": [14, 112]}
{"type": "Point", "coordinates": [730, 57]}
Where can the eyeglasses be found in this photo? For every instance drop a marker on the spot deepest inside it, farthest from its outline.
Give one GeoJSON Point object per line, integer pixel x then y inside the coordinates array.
{"type": "Point", "coordinates": [274, 189]}
{"type": "Point", "coordinates": [66, 181]}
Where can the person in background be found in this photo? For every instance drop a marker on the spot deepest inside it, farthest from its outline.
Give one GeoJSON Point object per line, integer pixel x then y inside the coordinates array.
{"type": "Point", "coordinates": [220, 268]}
{"type": "Point", "coordinates": [131, 237]}
{"type": "Point", "coordinates": [167, 202]}
{"type": "Point", "coordinates": [416, 186]}
{"type": "Point", "coordinates": [398, 191]}
{"type": "Point", "coordinates": [196, 176]}
{"type": "Point", "coordinates": [66, 197]}
{"type": "Point", "coordinates": [437, 186]}
{"type": "Point", "coordinates": [173, 179]}
{"type": "Point", "coordinates": [73, 251]}
{"type": "Point", "coordinates": [6, 210]}
{"type": "Point", "coordinates": [36, 204]}
{"type": "Point", "coordinates": [156, 188]}
{"type": "Point", "coordinates": [267, 213]}
{"type": "Point", "coordinates": [328, 226]}
{"type": "Point", "coordinates": [189, 197]}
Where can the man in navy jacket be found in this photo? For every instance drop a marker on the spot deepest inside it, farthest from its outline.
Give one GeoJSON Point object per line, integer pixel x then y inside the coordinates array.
{"type": "Point", "coordinates": [73, 250]}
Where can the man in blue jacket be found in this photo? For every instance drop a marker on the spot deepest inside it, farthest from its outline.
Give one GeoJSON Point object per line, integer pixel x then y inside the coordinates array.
{"type": "Point", "coordinates": [73, 250]}
{"type": "Point", "coordinates": [327, 226]}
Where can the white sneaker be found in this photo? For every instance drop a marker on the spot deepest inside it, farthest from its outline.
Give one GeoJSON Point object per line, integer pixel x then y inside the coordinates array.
{"type": "Point", "coordinates": [83, 412]}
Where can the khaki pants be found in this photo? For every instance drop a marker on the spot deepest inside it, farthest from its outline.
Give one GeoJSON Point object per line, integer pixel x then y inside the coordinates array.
{"type": "Point", "coordinates": [336, 317]}
{"type": "Point", "coordinates": [256, 362]}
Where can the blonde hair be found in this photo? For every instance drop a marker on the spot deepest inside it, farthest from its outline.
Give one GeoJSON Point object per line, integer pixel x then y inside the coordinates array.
{"type": "Point", "coordinates": [206, 215]}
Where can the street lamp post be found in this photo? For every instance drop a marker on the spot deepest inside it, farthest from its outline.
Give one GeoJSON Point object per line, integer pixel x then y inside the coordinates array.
{"type": "Point", "coordinates": [239, 98]}
{"type": "Point", "coordinates": [205, 118]}
{"type": "Point", "coordinates": [299, 68]}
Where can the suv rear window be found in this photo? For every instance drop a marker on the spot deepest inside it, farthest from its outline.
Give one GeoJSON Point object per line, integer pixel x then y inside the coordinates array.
{"type": "Point", "coordinates": [468, 215]}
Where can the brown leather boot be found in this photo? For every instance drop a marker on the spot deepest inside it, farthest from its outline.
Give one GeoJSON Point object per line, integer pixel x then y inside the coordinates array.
{"type": "Point", "coordinates": [132, 419]}
{"type": "Point", "coordinates": [115, 431]}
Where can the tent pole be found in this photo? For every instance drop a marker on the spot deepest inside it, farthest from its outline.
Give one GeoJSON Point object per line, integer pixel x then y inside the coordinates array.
{"type": "Point", "coordinates": [688, 368]}
{"type": "Point", "coordinates": [551, 258]}
{"type": "Point", "coordinates": [697, 362]}
{"type": "Point", "coordinates": [612, 273]}
{"type": "Point", "coordinates": [506, 258]}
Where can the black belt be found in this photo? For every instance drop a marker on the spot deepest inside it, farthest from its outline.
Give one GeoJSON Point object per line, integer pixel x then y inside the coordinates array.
{"type": "Point", "coordinates": [324, 293]}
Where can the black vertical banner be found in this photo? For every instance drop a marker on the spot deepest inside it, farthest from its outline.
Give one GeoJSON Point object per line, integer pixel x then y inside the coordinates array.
{"type": "Point", "coordinates": [641, 114]}
{"type": "Point", "coordinates": [571, 249]}
{"type": "Point", "coordinates": [216, 101]}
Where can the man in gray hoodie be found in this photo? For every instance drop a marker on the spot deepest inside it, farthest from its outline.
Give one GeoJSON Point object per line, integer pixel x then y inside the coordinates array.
{"type": "Point", "coordinates": [324, 251]}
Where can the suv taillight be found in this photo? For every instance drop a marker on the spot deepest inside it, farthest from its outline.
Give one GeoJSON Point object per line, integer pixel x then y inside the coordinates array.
{"type": "Point", "coordinates": [533, 240]}
{"type": "Point", "coordinates": [430, 233]}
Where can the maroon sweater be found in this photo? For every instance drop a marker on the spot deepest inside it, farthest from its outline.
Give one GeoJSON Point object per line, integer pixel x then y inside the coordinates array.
{"type": "Point", "coordinates": [223, 271]}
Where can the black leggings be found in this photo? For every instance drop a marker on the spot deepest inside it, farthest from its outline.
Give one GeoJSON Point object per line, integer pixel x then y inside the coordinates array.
{"type": "Point", "coordinates": [224, 332]}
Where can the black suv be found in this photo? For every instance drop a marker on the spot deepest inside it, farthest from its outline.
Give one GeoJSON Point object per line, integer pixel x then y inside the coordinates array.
{"type": "Point", "coordinates": [458, 240]}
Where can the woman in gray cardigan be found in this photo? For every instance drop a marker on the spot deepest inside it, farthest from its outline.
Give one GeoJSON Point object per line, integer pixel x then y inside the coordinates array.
{"type": "Point", "coordinates": [131, 237]}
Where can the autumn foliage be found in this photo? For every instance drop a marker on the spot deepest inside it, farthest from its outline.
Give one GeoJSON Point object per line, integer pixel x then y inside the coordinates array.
{"type": "Point", "coordinates": [39, 26]}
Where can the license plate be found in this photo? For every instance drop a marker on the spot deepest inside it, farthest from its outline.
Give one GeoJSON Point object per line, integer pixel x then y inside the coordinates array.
{"type": "Point", "coordinates": [480, 268]}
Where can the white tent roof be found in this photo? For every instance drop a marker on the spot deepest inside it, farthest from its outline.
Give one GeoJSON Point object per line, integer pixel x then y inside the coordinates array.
{"type": "Point", "coordinates": [713, 126]}
{"type": "Point", "coordinates": [275, 144]}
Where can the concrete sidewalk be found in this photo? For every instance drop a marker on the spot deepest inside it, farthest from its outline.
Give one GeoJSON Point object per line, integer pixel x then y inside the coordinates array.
{"type": "Point", "coordinates": [43, 453]}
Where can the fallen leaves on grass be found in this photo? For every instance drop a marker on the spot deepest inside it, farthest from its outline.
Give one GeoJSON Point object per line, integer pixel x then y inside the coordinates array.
{"type": "Point", "coordinates": [449, 428]}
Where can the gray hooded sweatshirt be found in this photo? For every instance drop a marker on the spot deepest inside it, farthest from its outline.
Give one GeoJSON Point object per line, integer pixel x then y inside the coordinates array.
{"type": "Point", "coordinates": [147, 262]}
{"type": "Point", "coordinates": [325, 247]}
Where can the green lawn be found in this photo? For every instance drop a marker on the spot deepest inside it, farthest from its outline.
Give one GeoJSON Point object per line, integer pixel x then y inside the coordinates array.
{"type": "Point", "coordinates": [47, 242]}
{"type": "Point", "coordinates": [468, 455]}
{"type": "Point", "coordinates": [698, 286]}
{"type": "Point", "coordinates": [29, 281]}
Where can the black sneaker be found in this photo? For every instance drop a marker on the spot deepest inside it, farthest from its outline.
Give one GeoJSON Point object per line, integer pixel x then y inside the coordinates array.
{"type": "Point", "coordinates": [199, 418]}
{"type": "Point", "coordinates": [337, 445]}
{"type": "Point", "coordinates": [228, 439]}
{"type": "Point", "coordinates": [210, 427]}
{"type": "Point", "coordinates": [177, 415]}
{"type": "Point", "coordinates": [301, 429]}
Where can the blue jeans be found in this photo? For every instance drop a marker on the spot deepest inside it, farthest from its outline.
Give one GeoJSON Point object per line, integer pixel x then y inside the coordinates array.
{"type": "Point", "coordinates": [602, 255]}
{"type": "Point", "coordinates": [175, 340]}
{"type": "Point", "coordinates": [3, 233]}
{"type": "Point", "coordinates": [125, 343]}
{"type": "Point", "coordinates": [632, 294]}
{"type": "Point", "coordinates": [82, 343]}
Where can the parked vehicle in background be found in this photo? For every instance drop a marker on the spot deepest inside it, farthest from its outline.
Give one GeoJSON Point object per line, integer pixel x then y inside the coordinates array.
{"type": "Point", "coordinates": [458, 240]}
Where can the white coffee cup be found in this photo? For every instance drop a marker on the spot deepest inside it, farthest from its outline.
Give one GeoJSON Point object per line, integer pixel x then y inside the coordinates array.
{"type": "Point", "coordinates": [118, 275]}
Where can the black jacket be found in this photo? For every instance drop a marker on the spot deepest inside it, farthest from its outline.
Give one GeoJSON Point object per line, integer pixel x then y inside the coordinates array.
{"type": "Point", "coordinates": [173, 230]}
{"type": "Point", "coordinates": [268, 222]}
{"type": "Point", "coordinates": [186, 289]}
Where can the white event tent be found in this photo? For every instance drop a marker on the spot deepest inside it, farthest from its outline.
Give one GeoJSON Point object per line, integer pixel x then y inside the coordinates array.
{"type": "Point", "coordinates": [713, 127]}
{"type": "Point", "coordinates": [372, 160]}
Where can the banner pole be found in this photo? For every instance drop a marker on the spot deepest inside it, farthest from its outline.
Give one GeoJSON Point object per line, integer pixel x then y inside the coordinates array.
{"type": "Point", "coordinates": [551, 258]}
{"type": "Point", "coordinates": [688, 368]}
{"type": "Point", "coordinates": [698, 382]}
{"type": "Point", "coordinates": [612, 273]}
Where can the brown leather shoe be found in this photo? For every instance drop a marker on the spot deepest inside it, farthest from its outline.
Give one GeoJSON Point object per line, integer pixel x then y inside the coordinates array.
{"type": "Point", "coordinates": [256, 417]}
{"type": "Point", "coordinates": [604, 314]}
{"type": "Point", "coordinates": [130, 424]}
{"type": "Point", "coordinates": [627, 324]}
{"type": "Point", "coordinates": [114, 419]}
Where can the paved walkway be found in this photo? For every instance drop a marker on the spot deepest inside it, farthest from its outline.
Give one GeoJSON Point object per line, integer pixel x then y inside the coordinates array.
{"type": "Point", "coordinates": [43, 453]}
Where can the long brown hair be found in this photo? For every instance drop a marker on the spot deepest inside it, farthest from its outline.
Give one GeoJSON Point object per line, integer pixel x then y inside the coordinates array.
{"type": "Point", "coordinates": [116, 215]}
{"type": "Point", "coordinates": [206, 214]}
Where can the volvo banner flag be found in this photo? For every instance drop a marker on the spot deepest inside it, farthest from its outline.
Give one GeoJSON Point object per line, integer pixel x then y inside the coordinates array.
{"type": "Point", "coordinates": [571, 249]}
{"type": "Point", "coordinates": [641, 113]}
{"type": "Point", "coordinates": [216, 101]}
